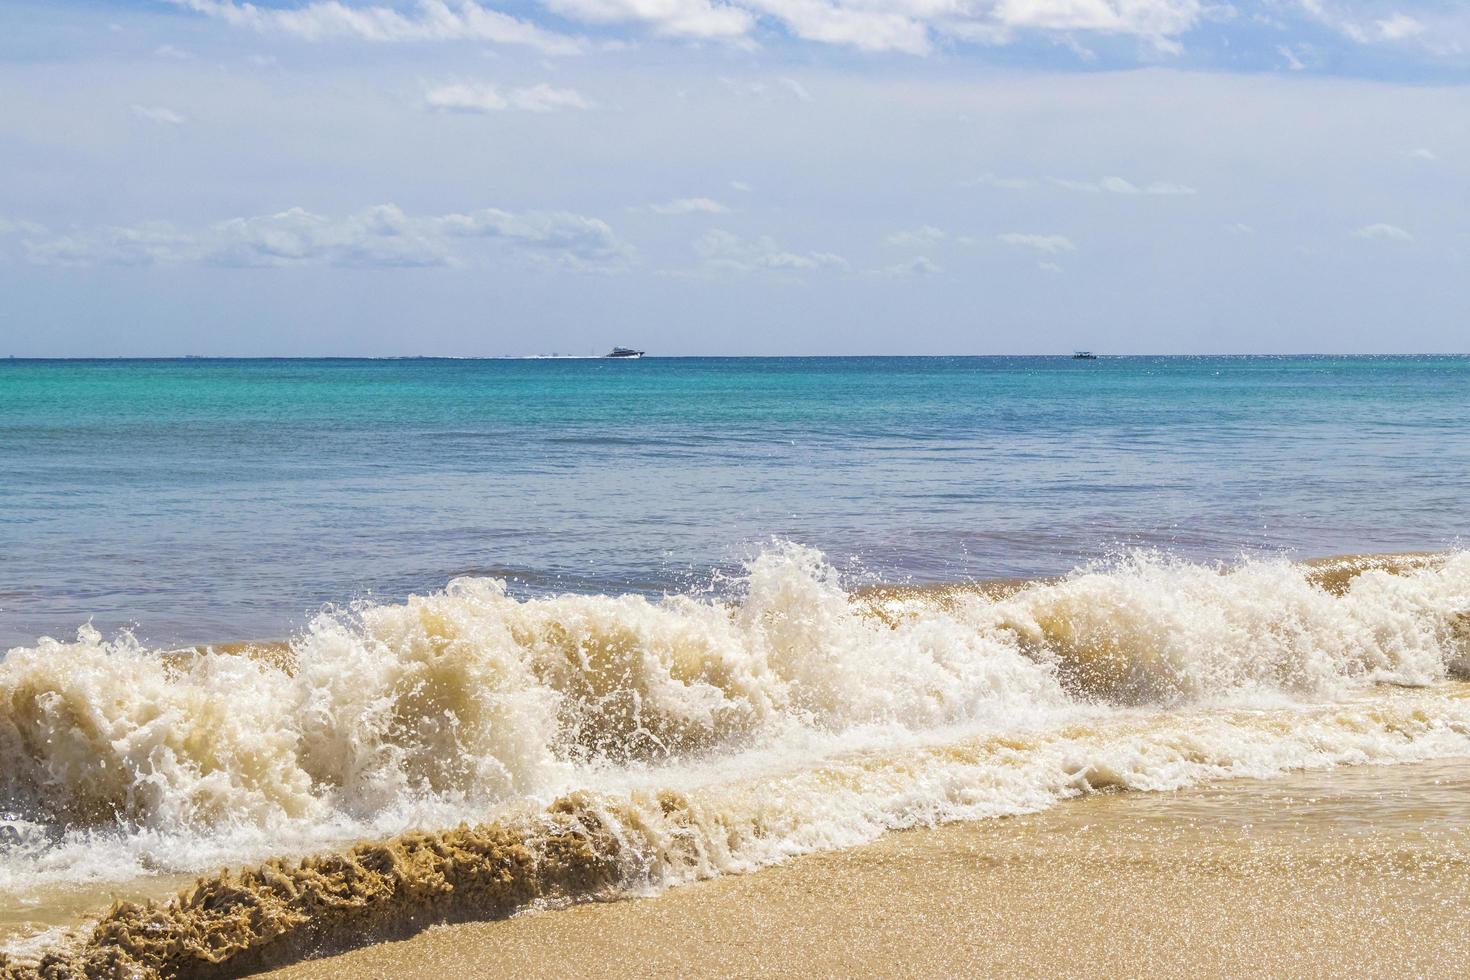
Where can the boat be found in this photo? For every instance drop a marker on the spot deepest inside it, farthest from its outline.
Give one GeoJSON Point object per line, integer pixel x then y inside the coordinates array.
{"type": "Point", "coordinates": [1084, 355]}
{"type": "Point", "coordinates": [625, 353]}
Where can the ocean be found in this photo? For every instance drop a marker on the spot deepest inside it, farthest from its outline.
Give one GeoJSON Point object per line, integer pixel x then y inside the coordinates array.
{"type": "Point", "coordinates": [505, 633]}
{"type": "Point", "coordinates": [210, 500]}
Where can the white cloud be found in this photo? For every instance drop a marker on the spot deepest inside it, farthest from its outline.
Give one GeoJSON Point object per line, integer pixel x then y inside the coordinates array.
{"type": "Point", "coordinates": [1117, 185]}
{"type": "Point", "coordinates": [571, 238]}
{"type": "Point", "coordinates": [1424, 153]}
{"type": "Point", "coordinates": [1442, 29]}
{"type": "Point", "coordinates": [720, 250]}
{"type": "Point", "coordinates": [1120, 186]}
{"type": "Point", "coordinates": [489, 98]}
{"type": "Point", "coordinates": [1150, 18]}
{"type": "Point", "coordinates": [675, 18]}
{"type": "Point", "coordinates": [909, 26]}
{"type": "Point", "coordinates": [690, 205]}
{"type": "Point", "coordinates": [382, 236]}
{"type": "Point", "coordinates": [1071, 43]}
{"type": "Point", "coordinates": [1383, 232]}
{"type": "Point", "coordinates": [1166, 189]}
{"type": "Point", "coordinates": [795, 88]}
{"type": "Point", "coordinates": [862, 25]}
{"type": "Point", "coordinates": [378, 236]}
{"type": "Point", "coordinates": [914, 27]}
{"type": "Point", "coordinates": [1399, 27]}
{"type": "Point", "coordinates": [741, 186]}
{"type": "Point", "coordinates": [1101, 185]}
{"type": "Point", "coordinates": [924, 236]}
{"type": "Point", "coordinates": [1050, 244]}
{"type": "Point", "coordinates": [856, 23]}
{"type": "Point", "coordinates": [169, 51]}
{"type": "Point", "coordinates": [1293, 61]}
{"type": "Point", "coordinates": [919, 266]}
{"type": "Point", "coordinates": [1240, 228]}
{"type": "Point", "coordinates": [145, 244]}
{"type": "Point", "coordinates": [429, 20]}
{"type": "Point", "coordinates": [158, 114]}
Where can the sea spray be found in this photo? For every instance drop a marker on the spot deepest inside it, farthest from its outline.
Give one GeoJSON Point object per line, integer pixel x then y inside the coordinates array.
{"type": "Point", "coordinates": [472, 694]}
{"type": "Point", "coordinates": [712, 736]}
{"type": "Point", "coordinates": [1153, 630]}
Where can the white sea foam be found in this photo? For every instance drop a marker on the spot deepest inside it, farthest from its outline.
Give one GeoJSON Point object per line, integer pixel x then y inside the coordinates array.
{"type": "Point", "coordinates": [794, 716]}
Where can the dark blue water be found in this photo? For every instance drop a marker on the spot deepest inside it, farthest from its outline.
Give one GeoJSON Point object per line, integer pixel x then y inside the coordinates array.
{"type": "Point", "coordinates": [208, 500]}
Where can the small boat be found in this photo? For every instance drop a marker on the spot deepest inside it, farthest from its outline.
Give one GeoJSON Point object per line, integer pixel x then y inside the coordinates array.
{"type": "Point", "coordinates": [626, 353]}
{"type": "Point", "coordinates": [1084, 355]}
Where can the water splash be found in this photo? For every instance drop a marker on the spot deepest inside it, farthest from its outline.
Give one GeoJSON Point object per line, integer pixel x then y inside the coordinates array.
{"type": "Point", "coordinates": [715, 735]}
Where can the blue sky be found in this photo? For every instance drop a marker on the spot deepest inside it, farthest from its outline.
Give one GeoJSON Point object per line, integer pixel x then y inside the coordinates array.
{"type": "Point", "coordinates": [754, 176]}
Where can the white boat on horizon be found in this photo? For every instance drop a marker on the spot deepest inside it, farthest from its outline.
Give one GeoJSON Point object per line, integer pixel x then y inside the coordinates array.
{"type": "Point", "coordinates": [625, 353]}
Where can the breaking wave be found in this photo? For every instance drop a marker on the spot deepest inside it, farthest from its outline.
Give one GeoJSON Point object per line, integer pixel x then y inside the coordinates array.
{"type": "Point", "coordinates": [599, 743]}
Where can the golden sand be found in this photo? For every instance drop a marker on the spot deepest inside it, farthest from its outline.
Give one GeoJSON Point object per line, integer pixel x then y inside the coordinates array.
{"type": "Point", "coordinates": [1360, 872]}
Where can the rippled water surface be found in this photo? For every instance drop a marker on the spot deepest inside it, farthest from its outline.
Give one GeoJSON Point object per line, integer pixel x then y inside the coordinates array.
{"type": "Point", "coordinates": [206, 500]}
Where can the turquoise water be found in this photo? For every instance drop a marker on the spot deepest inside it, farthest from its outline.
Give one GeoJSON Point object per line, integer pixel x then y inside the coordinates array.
{"type": "Point", "coordinates": [201, 500]}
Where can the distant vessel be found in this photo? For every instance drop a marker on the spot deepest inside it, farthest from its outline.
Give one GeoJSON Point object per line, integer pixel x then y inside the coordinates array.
{"type": "Point", "coordinates": [625, 352]}
{"type": "Point", "coordinates": [1084, 355]}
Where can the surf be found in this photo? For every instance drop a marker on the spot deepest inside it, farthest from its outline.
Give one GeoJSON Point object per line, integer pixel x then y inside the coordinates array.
{"type": "Point", "coordinates": [699, 734]}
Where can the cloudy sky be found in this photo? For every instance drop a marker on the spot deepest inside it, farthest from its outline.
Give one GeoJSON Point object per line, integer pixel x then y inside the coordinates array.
{"type": "Point", "coordinates": [733, 176]}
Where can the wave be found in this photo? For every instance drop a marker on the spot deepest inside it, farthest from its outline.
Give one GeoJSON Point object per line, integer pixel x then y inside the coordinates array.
{"type": "Point", "coordinates": [687, 736]}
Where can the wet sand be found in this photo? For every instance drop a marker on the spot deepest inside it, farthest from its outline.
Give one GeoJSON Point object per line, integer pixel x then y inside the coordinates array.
{"type": "Point", "coordinates": [1362, 871]}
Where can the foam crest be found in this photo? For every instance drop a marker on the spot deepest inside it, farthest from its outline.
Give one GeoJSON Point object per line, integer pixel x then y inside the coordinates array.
{"type": "Point", "coordinates": [94, 731]}
{"type": "Point", "coordinates": [1153, 630]}
{"type": "Point", "coordinates": [472, 693]}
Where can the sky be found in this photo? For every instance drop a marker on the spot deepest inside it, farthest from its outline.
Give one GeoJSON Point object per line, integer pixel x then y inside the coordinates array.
{"type": "Point", "coordinates": [468, 177]}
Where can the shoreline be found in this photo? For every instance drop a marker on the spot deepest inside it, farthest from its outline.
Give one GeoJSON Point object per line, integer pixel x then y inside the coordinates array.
{"type": "Point", "coordinates": [1357, 871]}
{"type": "Point", "coordinates": [1116, 679]}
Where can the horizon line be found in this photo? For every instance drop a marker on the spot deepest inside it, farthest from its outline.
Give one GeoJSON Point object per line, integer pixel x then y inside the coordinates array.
{"type": "Point", "coordinates": [676, 357]}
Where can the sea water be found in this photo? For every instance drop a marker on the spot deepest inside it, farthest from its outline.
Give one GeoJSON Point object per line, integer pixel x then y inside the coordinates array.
{"type": "Point", "coordinates": [698, 616]}
{"type": "Point", "coordinates": [209, 500]}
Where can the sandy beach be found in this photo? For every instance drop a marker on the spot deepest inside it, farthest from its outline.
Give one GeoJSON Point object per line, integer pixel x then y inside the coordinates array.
{"type": "Point", "coordinates": [734, 488]}
{"type": "Point", "coordinates": [1357, 872]}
